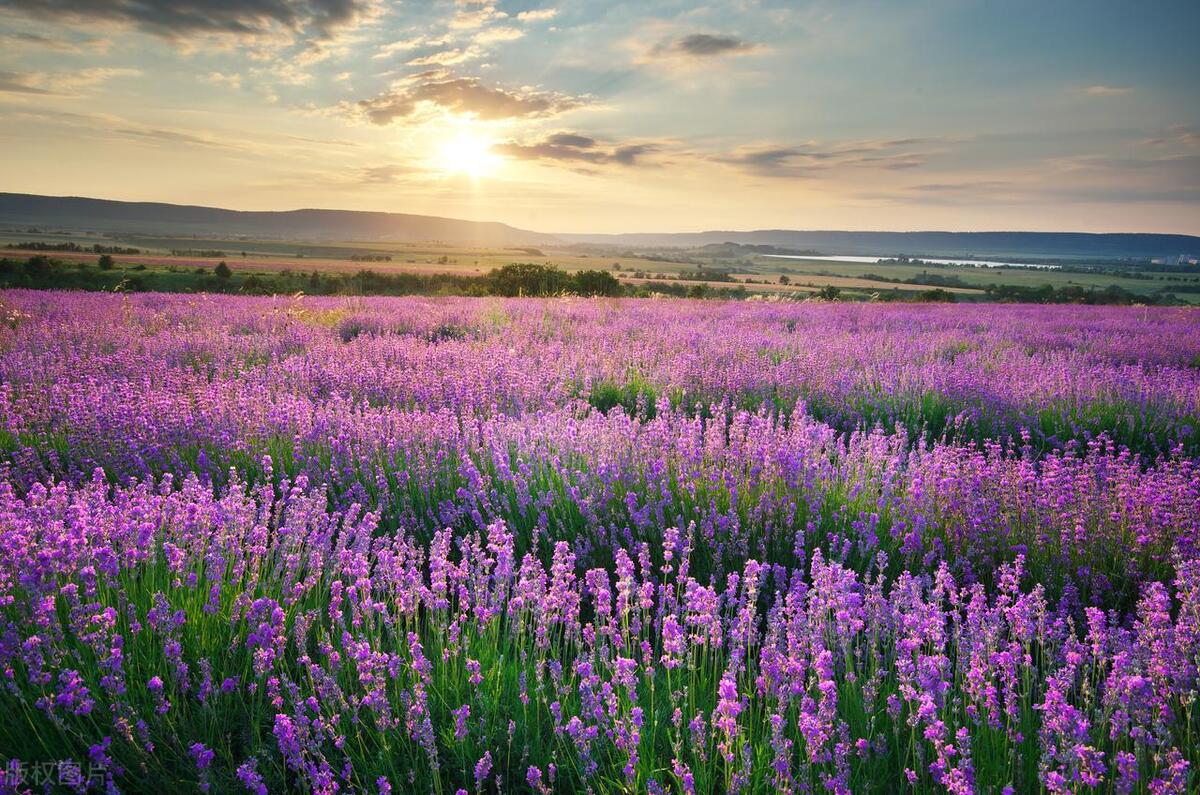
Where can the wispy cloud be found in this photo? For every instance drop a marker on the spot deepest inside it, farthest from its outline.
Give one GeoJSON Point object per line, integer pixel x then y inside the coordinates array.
{"type": "Point", "coordinates": [473, 14]}
{"type": "Point", "coordinates": [175, 20]}
{"type": "Point", "coordinates": [809, 159]}
{"type": "Point", "coordinates": [498, 34]}
{"type": "Point", "coordinates": [1183, 135]}
{"type": "Point", "coordinates": [60, 83]}
{"type": "Point", "coordinates": [1106, 91]}
{"type": "Point", "coordinates": [22, 40]}
{"type": "Point", "coordinates": [412, 43]}
{"type": "Point", "coordinates": [20, 83]}
{"type": "Point", "coordinates": [231, 80]}
{"type": "Point", "coordinates": [538, 15]}
{"type": "Point", "coordinates": [447, 57]}
{"type": "Point", "coordinates": [382, 175]}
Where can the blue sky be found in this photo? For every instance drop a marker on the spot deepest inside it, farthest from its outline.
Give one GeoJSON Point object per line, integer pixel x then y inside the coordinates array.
{"type": "Point", "coordinates": [574, 115]}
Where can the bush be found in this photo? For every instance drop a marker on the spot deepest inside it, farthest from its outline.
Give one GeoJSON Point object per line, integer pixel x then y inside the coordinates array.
{"type": "Point", "coordinates": [596, 283]}
{"type": "Point", "coordinates": [936, 295]}
{"type": "Point", "coordinates": [528, 279]}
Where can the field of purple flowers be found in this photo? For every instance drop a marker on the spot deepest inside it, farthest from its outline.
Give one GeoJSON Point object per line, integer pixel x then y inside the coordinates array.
{"type": "Point", "coordinates": [441, 545]}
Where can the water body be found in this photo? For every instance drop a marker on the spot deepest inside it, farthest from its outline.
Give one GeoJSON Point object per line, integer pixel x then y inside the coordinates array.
{"type": "Point", "coordinates": [970, 263]}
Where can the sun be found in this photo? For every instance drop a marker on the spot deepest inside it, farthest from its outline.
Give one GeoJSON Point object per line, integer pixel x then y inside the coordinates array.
{"type": "Point", "coordinates": [468, 153]}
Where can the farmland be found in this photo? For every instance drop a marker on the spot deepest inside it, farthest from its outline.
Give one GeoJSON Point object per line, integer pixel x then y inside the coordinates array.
{"type": "Point", "coordinates": [163, 262]}
{"type": "Point", "coordinates": [436, 545]}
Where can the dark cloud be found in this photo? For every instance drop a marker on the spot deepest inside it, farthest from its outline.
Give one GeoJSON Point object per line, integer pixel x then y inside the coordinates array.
{"type": "Point", "coordinates": [462, 95]}
{"type": "Point", "coordinates": [570, 147]}
{"type": "Point", "coordinates": [705, 45]}
{"type": "Point", "coordinates": [628, 155]}
{"type": "Point", "coordinates": [570, 139]}
{"type": "Point", "coordinates": [181, 18]}
{"type": "Point", "coordinates": [762, 159]}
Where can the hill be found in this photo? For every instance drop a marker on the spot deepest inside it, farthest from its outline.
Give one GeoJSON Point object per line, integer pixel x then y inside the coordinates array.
{"type": "Point", "coordinates": [953, 244]}
{"type": "Point", "coordinates": [107, 216]}
{"type": "Point", "coordinates": [103, 215]}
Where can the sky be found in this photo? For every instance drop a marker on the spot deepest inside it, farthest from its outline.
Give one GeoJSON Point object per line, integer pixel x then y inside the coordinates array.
{"type": "Point", "coordinates": [640, 116]}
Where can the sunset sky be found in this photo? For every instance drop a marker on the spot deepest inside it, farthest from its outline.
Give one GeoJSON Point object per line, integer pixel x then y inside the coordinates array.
{"type": "Point", "coordinates": [590, 116]}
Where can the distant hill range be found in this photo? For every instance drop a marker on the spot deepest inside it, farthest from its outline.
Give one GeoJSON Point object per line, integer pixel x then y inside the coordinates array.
{"type": "Point", "coordinates": [1045, 245]}
{"type": "Point", "coordinates": [102, 215]}
{"type": "Point", "coordinates": [153, 218]}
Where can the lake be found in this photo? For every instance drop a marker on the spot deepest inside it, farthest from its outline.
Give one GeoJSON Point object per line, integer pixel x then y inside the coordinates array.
{"type": "Point", "coordinates": [974, 263]}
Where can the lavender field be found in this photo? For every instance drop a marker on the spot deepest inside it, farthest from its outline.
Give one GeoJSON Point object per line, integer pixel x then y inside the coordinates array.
{"type": "Point", "coordinates": [472, 545]}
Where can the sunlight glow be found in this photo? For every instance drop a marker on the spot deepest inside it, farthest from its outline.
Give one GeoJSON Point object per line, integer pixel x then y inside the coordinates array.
{"type": "Point", "coordinates": [468, 153]}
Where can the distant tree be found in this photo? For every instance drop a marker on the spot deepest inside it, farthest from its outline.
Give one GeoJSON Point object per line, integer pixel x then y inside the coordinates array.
{"type": "Point", "coordinates": [529, 279]}
{"type": "Point", "coordinates": [829, 293]}
{"type": "Point", "coordinates": [38, 266]}
{"type": "Point", "coordinates": [596, 283]}
{"type": "Point", "coordinates": [222, 270]}
{"type": "Point", "coordinates": [784, 279]}
{"type": "Point", "coordinates": [106, 262]}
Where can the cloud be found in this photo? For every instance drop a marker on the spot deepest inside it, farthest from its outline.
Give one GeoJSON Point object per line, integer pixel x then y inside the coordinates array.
{"type": "Point", "coordinates": [475, 14]}
{"type": "Point", "coordinates": [233, 81]}
{"type": "Point", "coordinates": [232, 143]}
{"type": "Point", "coordinates": [498, 34]}
{"type": "Point", "coordinates": [71, 81]}
{"type": "Point", "coordinates": [447, 57]}
{"type": "Point", "coordinates": [1184, 135]}
{"type": "Point", "coordinates": [413, 43]}
{"type": "Point", "coordinates": [809, 159]}
{"type": "Point", "coordinates": [26, 40]}
{"type": "Point", "coordinates": [958, 188]}
{"type": "Point", "coordinates": [1106, 91]}
{"type": "Point", "coordinates": [1123, 176]}
{"type": "Point", "coordinates": [20, 83]}
{"type": "Point", "coordinates": [574, 148]}
{"type": "Point", "coordinates": [705, 45]}
{"type": "Point", "coordinates": [627, 155]}
{"type": "Point", "coordinates": [172, 137]}
{"type": "Point", "coordinates": [381, 175]}
{"type": "Point", "coordinates": [179, 19]}
{"type": "Point", "coordinates": [538, 15]}
{"type": "Point", "coordinates": [573, 140]}
{"type": "Point", "coordinates": [59, 83]}
{"type": "Point", "coordinates": [466, 95]}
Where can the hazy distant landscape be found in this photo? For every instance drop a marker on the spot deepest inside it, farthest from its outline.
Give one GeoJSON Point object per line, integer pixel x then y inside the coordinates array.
{"type": "Point", "coordinates": [174, 248]}
{"type": "Point", "coordinates": [472, 397]}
